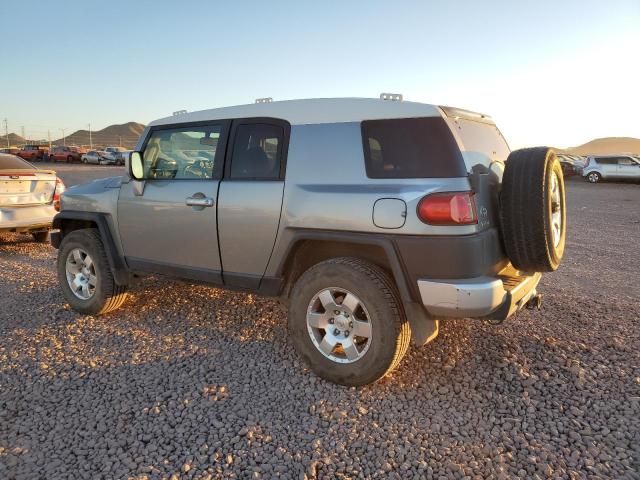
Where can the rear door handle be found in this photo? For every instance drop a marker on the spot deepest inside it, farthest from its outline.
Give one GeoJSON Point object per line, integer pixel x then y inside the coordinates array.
{"type": "Point", "coordinates": [200, 201]}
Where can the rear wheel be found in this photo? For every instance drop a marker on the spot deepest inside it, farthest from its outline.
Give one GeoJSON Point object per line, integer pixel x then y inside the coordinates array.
{"type": "Point", "coordinates": [85, 276]}
{"type": "Point", "coordinates": [594, 177]}
{"type": "Point", "coordinates": [533, 210]}
{"type": "Point", "coordinates": [347, 321]}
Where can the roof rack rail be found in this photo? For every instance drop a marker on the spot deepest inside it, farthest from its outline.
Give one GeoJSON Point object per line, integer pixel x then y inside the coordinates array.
{"type": "Point", "coordinates": [264, 100]}
{"type": "Point", "coordinates": [394, 97]}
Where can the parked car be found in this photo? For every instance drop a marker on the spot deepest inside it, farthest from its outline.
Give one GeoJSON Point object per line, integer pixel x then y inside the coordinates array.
{"type": "Point", "coordinates": [115, 155]}
{"type": "Point", "coordinates": [34, 152]}
{"type": "Point", "coordinates": [94, 156]}
{"type": "Point", "coordinates": [393, 216]}
{"type": "Point", "coordinates": [66, 154]}
{"type": "Point", "coordinates": [570, 164]}
{"type": "Point", "coordinates": [611, 167]}
{"type": "Point", "coordinates": [29, 197]}
{"type": "Point", "coordinates": [10, 150]}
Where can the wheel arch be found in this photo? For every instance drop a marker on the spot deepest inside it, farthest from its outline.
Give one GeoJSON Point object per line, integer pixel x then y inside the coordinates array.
{"type": "Point", "coordinates": [68, 221]}
{"type": "Point", "coordinates": [307, 248]}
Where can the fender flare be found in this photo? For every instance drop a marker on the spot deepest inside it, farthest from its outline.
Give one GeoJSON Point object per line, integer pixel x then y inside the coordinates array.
{"type": "Point", "coordinates": [424, 328]}
{"type": "Point", "coordinates": [121, 274]}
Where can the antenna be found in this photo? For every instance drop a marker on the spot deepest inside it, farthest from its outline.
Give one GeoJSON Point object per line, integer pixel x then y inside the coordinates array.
{"type": "Point", "coordinates": [179, 112]}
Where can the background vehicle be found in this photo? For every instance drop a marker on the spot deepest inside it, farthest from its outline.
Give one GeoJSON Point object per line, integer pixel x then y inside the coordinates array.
{"type": "Point", "coordinates": [570, 164]}
{"type": "Point", "coordinates": [34, 152]}
{"type": "Point", "coordinates": [94, 156]}
{"type": "Point", "coordinates": [393, 215]}
{"type": "Point", "coordinates": [611, 167]}
{"type": "Point", "coordinates": [29, 197]}
{"type": "Point", "coordinates": [115, 155]}
{"type": "Point", "coordinates": [66, 154]}
{"type": "Point", "coordinates": [10, 150]}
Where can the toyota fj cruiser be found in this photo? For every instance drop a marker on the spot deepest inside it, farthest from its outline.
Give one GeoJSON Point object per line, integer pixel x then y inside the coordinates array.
{"type": "Point", "coordinates": [371, 219]}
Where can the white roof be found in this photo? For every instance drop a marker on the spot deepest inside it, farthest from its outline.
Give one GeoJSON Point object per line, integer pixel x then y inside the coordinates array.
{"type": "Point", "coordinates": [310, 111]}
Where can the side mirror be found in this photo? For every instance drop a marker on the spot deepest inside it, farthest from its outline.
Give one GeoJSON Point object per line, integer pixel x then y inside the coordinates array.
{"type": "Point", "coordinates": [135, 166]}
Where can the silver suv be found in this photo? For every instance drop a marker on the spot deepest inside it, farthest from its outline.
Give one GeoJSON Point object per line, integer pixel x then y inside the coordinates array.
{"type": "Point", "coordinates": [611, 167]}
{"type": "Point", "coordinates": [371, 219]}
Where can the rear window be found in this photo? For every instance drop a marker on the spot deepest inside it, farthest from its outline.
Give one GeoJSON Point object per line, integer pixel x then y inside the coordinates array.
{"type": "Point", "coordinates": [9, 162]}
{"type": "Point", "coordinates": [411, 148]}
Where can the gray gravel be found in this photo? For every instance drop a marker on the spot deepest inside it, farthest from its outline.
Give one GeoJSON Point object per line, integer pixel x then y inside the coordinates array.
{"type": "Point", "coordinates": [194, 382]}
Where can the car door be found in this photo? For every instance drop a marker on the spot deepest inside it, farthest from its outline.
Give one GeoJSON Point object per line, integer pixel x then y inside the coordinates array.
{"type": "Point", "coordinates": [628, 168]}
{"type": "Point", "coordinates": [168, 221]}
{"type": "Point", "coordinates": [250, 199]}
{"type": "Point", "coordinates": [608, 167]}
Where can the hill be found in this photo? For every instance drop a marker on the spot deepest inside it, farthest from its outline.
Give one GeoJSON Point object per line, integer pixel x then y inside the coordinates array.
{"type": "Point", "coordinates": [605, 146]}
{"type": "Point", "coordinates": [13, 140]}
{"type": "Point", "coordinates": [125, 135]}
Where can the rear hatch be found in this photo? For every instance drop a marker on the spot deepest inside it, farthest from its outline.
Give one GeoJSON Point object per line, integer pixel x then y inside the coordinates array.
{"type": "Point", "coordinates": [21, 187]}
{"type": "Point", "coordinates": [484, 151]}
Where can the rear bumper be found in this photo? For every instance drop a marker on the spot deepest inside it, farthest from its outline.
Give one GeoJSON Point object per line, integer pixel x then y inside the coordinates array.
{"type": "Point", "coordinates": [26, 218]}
{"type": "Point", "coordinates": [480, 297]}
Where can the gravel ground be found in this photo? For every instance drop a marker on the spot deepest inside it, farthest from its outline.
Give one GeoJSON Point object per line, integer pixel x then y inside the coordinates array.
{"type": "Point", "coordinates": [194, 382]}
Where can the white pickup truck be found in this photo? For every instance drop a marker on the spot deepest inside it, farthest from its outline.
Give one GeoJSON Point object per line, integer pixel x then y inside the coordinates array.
{"type": "Point", "coordinates": [116, 155]}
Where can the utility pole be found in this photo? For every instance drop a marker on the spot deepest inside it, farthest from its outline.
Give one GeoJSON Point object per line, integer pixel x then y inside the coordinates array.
{"type": "Point", "coordinates": [64, 138]}
{"type": "Point", "coordinates": [119, 140]}
{"type": "Point", "coordinates": [24, 138]}
{"type": "Point", "coordinates": [49, 138]}
{"type": "Point", "coordinates": [6, 132]}
{"type": "Point", "coordinates": [90, 141]}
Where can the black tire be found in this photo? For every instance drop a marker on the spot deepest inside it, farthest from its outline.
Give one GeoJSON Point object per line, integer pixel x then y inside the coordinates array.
{"type": "Point", "coordinates": [390, 329]}
{"type": "Point", "coordinates": [526, 210]}
{"type": "Point", "coordinates": [108, 295]}
{"type": "Point", "coordinates": [41, 237]}
{"type": "Point", "coordinates": [594, 177]}
{"type": "Point", "coordinates": [69, 159]}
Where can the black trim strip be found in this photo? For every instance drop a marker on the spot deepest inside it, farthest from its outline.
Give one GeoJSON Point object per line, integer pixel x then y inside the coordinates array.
{"type": "Point", "coordinates": [175, 271]}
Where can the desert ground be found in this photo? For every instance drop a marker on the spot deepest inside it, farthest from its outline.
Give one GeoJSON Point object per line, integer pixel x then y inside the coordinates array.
{"type": "Point", "coordinates": [194, 382]}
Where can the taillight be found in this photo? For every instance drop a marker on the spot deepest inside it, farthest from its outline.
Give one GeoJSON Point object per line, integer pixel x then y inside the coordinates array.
{"type": "Point", "coordinates": [587, 161]}
{"type": "Point", "coordinates": [57, 192]}
{"type": "Point", "coordinates": [451, 208]}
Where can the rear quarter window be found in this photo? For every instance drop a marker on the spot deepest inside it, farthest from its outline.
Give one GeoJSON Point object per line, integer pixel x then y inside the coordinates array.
{"type": "Point", "coordinates": [8, 162]}
{"type": "Point", "coordinates": [411, 148]}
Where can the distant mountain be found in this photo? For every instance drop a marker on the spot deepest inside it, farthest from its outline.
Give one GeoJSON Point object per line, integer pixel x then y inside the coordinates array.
{"type": "Point", "coordinates": [13, 140]}
{"type": "Point", "coordinates": [605, 146]}
{"type": "Point", "coordinates": [125, 135]}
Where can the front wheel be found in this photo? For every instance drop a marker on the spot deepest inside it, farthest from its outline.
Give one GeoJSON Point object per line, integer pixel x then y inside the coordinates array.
{"type": "Point", "coordinates": [85, 276]}
{"type": "Point", "coordinates": [594, 177]}
{"type": "Point", "coordinates": [346, 320]}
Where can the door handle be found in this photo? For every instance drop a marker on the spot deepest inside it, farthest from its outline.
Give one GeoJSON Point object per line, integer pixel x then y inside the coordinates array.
{"type": "Point", "coordinates": [199, 201]}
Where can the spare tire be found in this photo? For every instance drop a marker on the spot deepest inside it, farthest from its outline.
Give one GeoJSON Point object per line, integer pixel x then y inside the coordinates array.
{"type": "Point", "coordinates": [533, 210]}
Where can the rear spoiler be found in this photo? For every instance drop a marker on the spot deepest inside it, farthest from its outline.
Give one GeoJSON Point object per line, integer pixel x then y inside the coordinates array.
{"type": "Point", "coordinates": [455, 113]}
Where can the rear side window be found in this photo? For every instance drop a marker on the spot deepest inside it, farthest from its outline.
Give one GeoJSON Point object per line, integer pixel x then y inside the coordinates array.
{"type": "Point", "coordinates": [11, 162]}
{"type": "Point", "coordinates": [411, 148]}
{"type": "Point", "coordinates": [257, 152]}
{"type": "Point", "coordinates": [606, 161]}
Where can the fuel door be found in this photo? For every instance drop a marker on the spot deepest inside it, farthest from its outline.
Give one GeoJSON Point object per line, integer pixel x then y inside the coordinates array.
{"type": "Point", "coordinates": [389, 213]}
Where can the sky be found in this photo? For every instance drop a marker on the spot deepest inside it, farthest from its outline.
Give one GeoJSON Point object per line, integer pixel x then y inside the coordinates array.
{"type": "Point", "coordinates": [549, 72]}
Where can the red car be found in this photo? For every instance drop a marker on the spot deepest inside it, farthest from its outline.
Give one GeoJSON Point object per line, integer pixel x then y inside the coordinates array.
{"type": "Point", "coordinates": [65, 154]}
{"type": "Point", "coordinates": [33, 152]}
